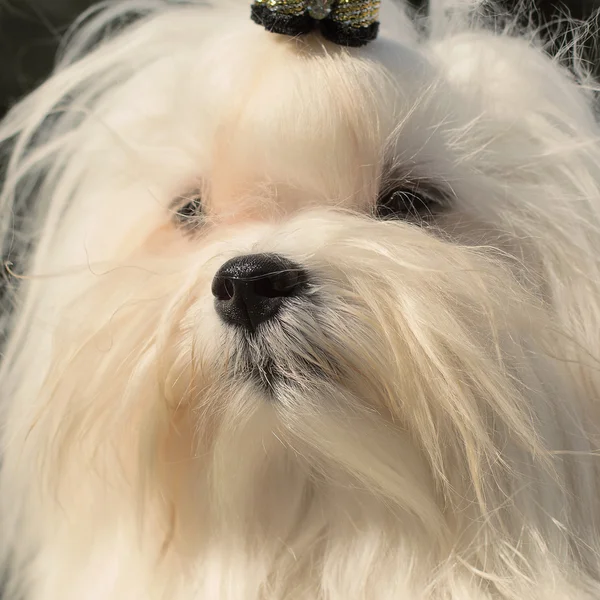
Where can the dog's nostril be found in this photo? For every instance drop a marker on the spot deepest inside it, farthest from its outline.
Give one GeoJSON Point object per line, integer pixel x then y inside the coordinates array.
{"type": "Point", "coordinates": [222, 288]}
{"type": "Point", "coordinates": [250, 289]}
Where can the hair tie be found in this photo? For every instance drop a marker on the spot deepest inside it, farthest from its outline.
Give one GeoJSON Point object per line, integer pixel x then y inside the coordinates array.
{"type": "Point", "coordinates": [345, 22]}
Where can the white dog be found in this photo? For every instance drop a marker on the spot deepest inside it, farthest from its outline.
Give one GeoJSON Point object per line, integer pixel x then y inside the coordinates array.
{"type": "Point", "coordinates": [301, 321]}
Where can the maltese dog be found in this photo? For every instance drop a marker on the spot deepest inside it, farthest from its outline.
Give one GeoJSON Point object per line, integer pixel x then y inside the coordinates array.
{"type": "Point", "coordinates": [301, 314]}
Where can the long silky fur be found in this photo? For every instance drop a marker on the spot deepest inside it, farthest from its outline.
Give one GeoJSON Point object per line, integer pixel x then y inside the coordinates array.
{"type": "Point", "coordinates": [424, 427]}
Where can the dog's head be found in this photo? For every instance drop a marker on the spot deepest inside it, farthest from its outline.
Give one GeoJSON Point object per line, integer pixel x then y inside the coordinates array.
{"type": "Point", "coordinates": [281, 287]}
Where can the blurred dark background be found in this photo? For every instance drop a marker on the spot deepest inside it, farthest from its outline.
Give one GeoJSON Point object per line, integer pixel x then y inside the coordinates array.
{"type": "Point", "coordinates": [30, 31]}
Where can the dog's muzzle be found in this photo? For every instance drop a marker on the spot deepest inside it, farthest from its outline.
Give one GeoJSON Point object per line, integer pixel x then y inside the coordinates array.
{"type": "Point", "coordinates": [251, 289]}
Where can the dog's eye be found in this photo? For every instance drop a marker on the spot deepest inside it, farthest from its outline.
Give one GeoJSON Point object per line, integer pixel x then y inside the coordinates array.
{"type": "Point", "coordinates": [406, 203]}
{"type": "Point", "coordinates": [187, 210]}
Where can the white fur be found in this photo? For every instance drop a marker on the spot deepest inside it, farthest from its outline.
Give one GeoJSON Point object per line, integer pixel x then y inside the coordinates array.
{"type": "Point", "coordinates": [448, 450]}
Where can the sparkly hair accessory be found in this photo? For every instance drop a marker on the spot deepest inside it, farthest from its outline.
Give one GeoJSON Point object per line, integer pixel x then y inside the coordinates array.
{"type": "Point", "coordinates": [345, 22]}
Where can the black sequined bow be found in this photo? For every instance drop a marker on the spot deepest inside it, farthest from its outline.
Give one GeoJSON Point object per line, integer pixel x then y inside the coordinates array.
{"type": "Point", "coordinates": [345, 22]}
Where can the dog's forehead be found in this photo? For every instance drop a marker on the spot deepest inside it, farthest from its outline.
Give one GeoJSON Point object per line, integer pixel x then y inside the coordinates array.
{"type": "Point", "coordinates": [246, 107]}
{"type": "Point", "coordinates": [310, 76]}
{"type": "Point", "coordinates": [218, 77]}
{"type": "Point", "coordinates": [318, 108]}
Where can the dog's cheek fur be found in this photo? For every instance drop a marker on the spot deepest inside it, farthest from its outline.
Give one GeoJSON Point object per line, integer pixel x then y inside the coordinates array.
{"type": "Point", "coordinates": [433, 428]}
{"type": "Point", "coordinates": [538, 163]}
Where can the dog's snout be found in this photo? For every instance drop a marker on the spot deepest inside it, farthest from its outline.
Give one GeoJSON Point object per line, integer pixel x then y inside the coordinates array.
{"type": "Point", "coordinates": [251, 289]}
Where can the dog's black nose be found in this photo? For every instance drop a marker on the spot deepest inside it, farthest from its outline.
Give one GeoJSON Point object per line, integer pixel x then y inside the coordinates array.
{"type": "Point", "coordinates": [250, 289]}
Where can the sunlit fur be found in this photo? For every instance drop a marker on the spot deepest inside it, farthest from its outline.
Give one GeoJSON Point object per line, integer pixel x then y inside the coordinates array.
{"type": "Point", "coordinates": [432, 431]}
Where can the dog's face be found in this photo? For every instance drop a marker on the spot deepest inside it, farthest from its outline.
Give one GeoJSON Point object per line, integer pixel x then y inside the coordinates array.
{"type": "Point", "coordinates": [289, 283]}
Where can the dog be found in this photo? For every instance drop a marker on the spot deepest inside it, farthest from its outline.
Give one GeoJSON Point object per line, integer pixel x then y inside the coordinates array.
{"type": "Point", "coordinates": [291, 319]}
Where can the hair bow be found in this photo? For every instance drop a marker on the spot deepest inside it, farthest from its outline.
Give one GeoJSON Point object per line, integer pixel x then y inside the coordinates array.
{"type": "Point", "coordinates": [345, 22]}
